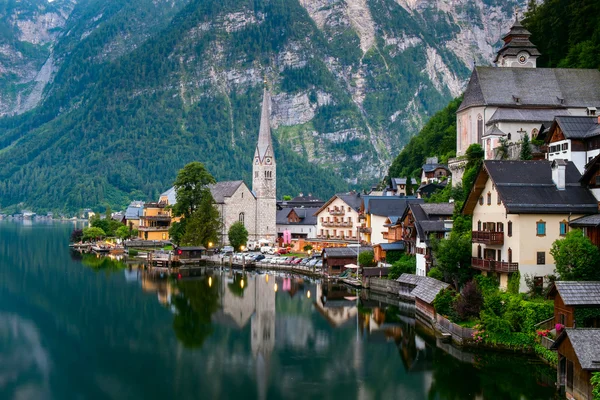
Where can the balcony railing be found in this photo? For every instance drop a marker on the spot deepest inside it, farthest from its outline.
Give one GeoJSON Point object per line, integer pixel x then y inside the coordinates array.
{"type": "Point", "coordinates": [153, 228]}
{"type": "Point", "coordinates": [487, 237]}
{"type": "Point", "coordinates": [337, 212]}
{"type": "Point", "coordinates": [364, 229]}
{"type": "Point", "coordinates": [494, 266]}
{"type": "Point", "coordinates": [336, 223]}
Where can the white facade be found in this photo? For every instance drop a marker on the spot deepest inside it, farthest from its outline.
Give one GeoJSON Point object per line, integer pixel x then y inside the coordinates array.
{"type": "Point", "coordinates": [309, 230]}
{"type": "Point", "coordinates": [563, 151]}
{"type": "Point", "coordinates": [338, 221]}
{"type": "Point", "coordinates": [420, 255]}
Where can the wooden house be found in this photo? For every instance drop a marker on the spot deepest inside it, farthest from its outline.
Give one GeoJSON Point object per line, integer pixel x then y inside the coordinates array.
{"type": "Point", "coordinates": [578, 357]}
{"type": "Point", "coordinates": [576, 304]}
{"type": "Point", "coordinates": [425, 292]}
{"type": "Point", "coordinates": [336, 258]}
{"type": "Point", "coordinates": [190, 252]}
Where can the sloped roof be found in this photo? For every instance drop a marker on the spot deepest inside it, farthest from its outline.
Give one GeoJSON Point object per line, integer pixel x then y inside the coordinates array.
{"type": "Point", "coordinates": [438, 209]}
{"type": "Point", "coordinates": [398, 245]}
{"type": "Point", "coordinates": [579, 127]}
{"type": "Point", "coordinates": [306, 215]}
{"type": "Point", "coordinates": [526, 187]}
{"type": "Point", "coordinates": [588, 220]}
{"type": "Point", "coordinates": [410, 279]}
{"type": "Point", "coordinates": [432, 226]}
{"type": "Point", "coordinates": [135, 210]}
{"type": "Point", "coordinates": [586, 343]}
{"type": "Point", "coordinates": [401, 181]}
{"type": "Point", "coordinates": [354, 200]}
{"type": "Point", "coordinates": [579, 293]}
{"type": "Point", "coordinates": [427, 289]}
{"type": "Point", "coordinates": [427, 217]}
{"type": "Point", "coordinates": [219, 191]}
{"type": "Point", "coordinates": [550, 87]}
{"type": "Point", "coordinates": [390, 205]}
{"type": "Point", "coordinates": [433, 167]}
{"type": "Point", "coordinates": [344, 252]}
{"type": "Point", "coordinates": [494, 131]}
{"type": "Point", "coordinates": [529, 115]}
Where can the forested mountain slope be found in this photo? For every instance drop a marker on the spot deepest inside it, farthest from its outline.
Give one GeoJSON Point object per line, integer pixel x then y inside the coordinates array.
{"type": "Point", "coordinates": [141, 87]}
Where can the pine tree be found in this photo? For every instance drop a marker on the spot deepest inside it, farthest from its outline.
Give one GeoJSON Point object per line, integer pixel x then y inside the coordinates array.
{"type": "Point", "coordinates": [526, 148]}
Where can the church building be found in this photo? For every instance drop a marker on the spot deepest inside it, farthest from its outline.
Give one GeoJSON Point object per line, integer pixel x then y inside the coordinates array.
{"type": "Point", "coordinates": [515, 98]}
{"type": "Point", "coordinates": [255, 208]}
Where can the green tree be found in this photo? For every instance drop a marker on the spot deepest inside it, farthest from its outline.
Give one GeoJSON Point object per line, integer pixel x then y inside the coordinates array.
{"type": "Point", "coordinates": [526, 148]}
{"type": "Point", "coordinates": [108, 212]}
{"type": "Point", "coordinates": [453, 258]}
{"type": "Point", "coordinates": [596, 385]}
{"type": "Point", "coordinates": [409, 188]}
{"type": "Point", "coordinates": [238, 235]}
{"type": "Point", "coordinates": [407, 264]}
{"type": "Point", "coordinates": [307, 247]}
{"type": "Point", "coordinates": [474, 160]}
{"type": "Point", "coordinates": [93, 233]}
{"type": "Point", "coordinates": [123, 232]}
{"type": "Point", "coordinates": [177, 230]}
{"type": "Point", "coordinates": [203, 226]}
{"type": "Point", "coordinates": [576, 257]}
{"type": "Point", "coordinates": [287, 197]}
{"type": "Point", "coordinates": [191, 186]}
{"type": "Point", "coordinates": [366, 259]}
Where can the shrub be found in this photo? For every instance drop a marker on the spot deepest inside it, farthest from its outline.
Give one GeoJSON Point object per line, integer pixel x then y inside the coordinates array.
{"type": "Point", "coordinates": [470, 301]}
{"type": "Point", "coordinates": [133, 252]}
{"type": "Point", "coordinates": [444, 303]}
{"type": "Point", "coordinates": [392, 256]}
{"type": "Point", "coordinates": [366, 259]}
{"type": "Point", "coordinates": [495, 324]}
{"type": "Point", "coordinates": [406, 265]}
{"type": "Point", "coordinates": [514, 282]}
{"type": "Point", "coordinates": [435, 273]}
{"type": "Point", "coordinates": [596, 385]}
{"type": "Point", "coordinates": [487, 284]}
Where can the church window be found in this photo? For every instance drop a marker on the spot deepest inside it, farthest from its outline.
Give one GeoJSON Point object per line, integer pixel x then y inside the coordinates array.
{"type": "Point", "coordinates": [479, 128]}
{"type": "Point", "coordinates": [534, 133]}
{"type": "Point", "coordinates": [489, 198]}
{"type": "Point", "coordinates": [508, 136]}
{"type": "Point", "coordinates": [242, 217]}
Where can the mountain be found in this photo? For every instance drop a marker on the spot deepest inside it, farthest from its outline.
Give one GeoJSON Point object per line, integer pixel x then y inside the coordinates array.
{"type": "Point", "coordinates": [138, 88]}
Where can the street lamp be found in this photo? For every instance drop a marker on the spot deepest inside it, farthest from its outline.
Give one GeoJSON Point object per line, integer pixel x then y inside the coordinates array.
{"type": "Point", "coordinates": [210, 244]}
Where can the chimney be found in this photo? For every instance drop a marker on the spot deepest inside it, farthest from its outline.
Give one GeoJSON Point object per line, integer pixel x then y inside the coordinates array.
{"type": "Point", "coordinates": [559, 168]}
{"type": "Point", "coordinates": [598, 119]}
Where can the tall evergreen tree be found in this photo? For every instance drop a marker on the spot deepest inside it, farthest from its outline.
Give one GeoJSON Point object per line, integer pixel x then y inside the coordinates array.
{"type": "Point", "coordinates": [526, 148]}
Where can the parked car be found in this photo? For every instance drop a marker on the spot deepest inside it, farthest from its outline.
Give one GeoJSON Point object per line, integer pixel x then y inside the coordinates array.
{"type": "Point", "coordinates": [227, 250]}
{"type": "Point", "coordinates": [298, 261]}
{"type": "Point", "coordinates": [283, 250]}
{"type": "Point", "coordinates": [274, 260]}
{"type": "Point", "coordinates": [319, 264]}
{"type": "Point", "coordinates": [312, 262]}
{"type": "Point", "coordinates": [258, 257]}
{"type": "Point", "coordinates": [267, 250]}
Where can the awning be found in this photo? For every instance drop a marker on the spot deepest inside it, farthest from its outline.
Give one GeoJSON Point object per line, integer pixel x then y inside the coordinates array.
{"type": "Point", "coordinates": [351, 266]}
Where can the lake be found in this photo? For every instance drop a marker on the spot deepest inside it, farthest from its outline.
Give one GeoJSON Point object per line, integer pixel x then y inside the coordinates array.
{"type": "Point", "coordinates": [82, 327]}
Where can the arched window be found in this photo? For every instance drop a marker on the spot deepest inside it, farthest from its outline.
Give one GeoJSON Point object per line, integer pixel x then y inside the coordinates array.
{"type": "Point", "coordinates": [508, 136]}
{"type": "Point", "coordinates": [478, 251]}
{"type": "Point", "coordinates": [479, 128]}
{"type": "Point", "coordinates": [479, 226]}
{"type": "Point", "coordinates": [489, 199]}
{"type": "Point", "coordinates": [510, 255]}
{"type": "Point", "coordinates": [509, 228]}
{"type": "Point", "coordinates": [534, 133]}
{"type": "Point", "coordinates": [241, 217]}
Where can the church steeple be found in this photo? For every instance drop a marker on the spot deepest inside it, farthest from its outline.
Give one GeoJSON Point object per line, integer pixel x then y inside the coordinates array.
{"type": "Point", "coordinates": [518, 51]}
{"type": "Point", "coordinates": [264, 147]}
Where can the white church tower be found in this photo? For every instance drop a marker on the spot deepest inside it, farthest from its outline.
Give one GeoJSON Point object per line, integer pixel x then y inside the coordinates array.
{"type": "Point", "coordinates": [517, 51]}
{"type": "Point", "coordinates": [264, 176]}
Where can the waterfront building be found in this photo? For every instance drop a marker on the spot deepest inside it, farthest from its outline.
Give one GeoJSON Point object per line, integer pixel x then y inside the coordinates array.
{"type": "Point", "coordinates": [338, 219]}
{"type": "Point", "coordinates": [416, 226]}
{"type": "Point", "coordinates": [519, 208]}
{"type": "Point", "coordinates": [299, 221]}
{"type": "Point", "coordinates": [572, 298]}
{"type": "Point", "coordinates": [578, 357]}
{"type": "Point", "coordinates": [336, 258]}
{"type": "Point", "coordinates": [133, 213]}
{"type": "Point", "coordinates": [515, 98]}
{"type": "Point", "coordinates": [155, 221]}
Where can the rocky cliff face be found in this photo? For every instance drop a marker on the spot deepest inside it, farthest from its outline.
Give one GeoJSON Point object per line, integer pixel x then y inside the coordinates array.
{"type": "Point", "coordinates": [352, 81]}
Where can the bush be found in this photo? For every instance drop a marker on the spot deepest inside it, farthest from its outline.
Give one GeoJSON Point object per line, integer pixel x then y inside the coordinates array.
{"type": "Point", "coordinates": [133, 252]}
{"type": "Point", "coordinates": [366, 259]}
{"type": "Point", "coordinates": [469, 303]}
{"type": "Point", "coordinates": [514, 282]}
{"type": "Point", "coordinates": [392, 256]}
{"type": "Point", "coordinates": [487, 284]}
{"type": "Point", "coordinates": [406, 265]}
{"type": "Point", "coordinates": [596, 385]}
{"type": "Point", "coordinates": [495, 324]}
{"type": "Point", "coordinates": [435, 273]}
{"type": "Point", "coordinates": [444, 303]}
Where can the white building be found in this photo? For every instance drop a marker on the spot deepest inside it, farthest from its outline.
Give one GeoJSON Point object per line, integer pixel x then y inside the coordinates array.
{"type": "Point", "coordinates": [574, 139]}
{"type": "Point", "coordinates": [337, 219]}
{"type": "Point", "coordinates": [300, 221]}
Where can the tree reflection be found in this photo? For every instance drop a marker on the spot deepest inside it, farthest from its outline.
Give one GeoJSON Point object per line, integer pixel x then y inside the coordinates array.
{"type": "Point", "coordinates": [195, 303]}
{"type": "Point", "coordinates": [102, 263]}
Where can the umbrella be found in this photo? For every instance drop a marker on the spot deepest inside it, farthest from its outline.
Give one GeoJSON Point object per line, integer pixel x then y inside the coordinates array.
{"type": "Point", "coordinates": [351, 266]}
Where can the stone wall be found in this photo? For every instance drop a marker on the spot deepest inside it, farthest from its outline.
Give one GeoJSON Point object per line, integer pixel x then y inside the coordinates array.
{"type": "Point", "coordinates": [242, 201]}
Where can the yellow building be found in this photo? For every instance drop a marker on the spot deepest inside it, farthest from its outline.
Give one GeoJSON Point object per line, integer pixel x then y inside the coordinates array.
{"type": "Point", "coordinates": [519, 209]}
{"type": "Point", "coordinates": [155, 222]}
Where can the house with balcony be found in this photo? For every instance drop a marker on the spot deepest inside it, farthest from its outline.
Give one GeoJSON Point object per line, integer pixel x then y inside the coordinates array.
{"type": "Point", "coordinates": [574, 138]}
{"type": "Point", "coordinates": [155, 221]}
{"type": "Point", "coordinates": [338, 219]}
{"type": "Point", "coordinates": [376, 210]}
{"type": "Point", "coordinates": [519, 208]}
{"type": "Point", "coordinates": [416, 226]}
{"type": "Point", "coordinates": [133, 213]}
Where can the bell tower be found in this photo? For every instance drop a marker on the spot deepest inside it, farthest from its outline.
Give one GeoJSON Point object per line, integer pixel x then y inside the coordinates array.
{"type": "Point", "coordinates": [517, 51]}
{"type": "Point", "coordinates": [264, 175]}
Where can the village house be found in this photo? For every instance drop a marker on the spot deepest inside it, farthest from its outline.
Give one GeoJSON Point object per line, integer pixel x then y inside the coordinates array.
{"type": "Point", "coordinates": [398, 187]}
{"type": "Point", "coordinates": [515, 98]}
{"type": "Point", "coordinates": [337, 219]}
{"type": "Point", "coordinates": [426, 190]}
{"type": "Point", "coordinates": [155, 221]}
{"type": "Point", "coordinates": [299, 221]}
{"type": "Point", "coordinates": [576, 304]}
{"type": "Point", "coordinates": [133, 213]}
{"type": "Point", "coordinates": [433, 172]}
{"type": "Point", "coordinates": [519, 208]}
{"type": "Point", "coordinates": [336, 258]}
{"type": "Point", "coordinates": [416, 226]}
{"type": "Point", "coordinates": [300, 201]}
{"type": "Point", "coordinates": [574, 139]}
{"type": "Point", "coordinates": [578, 357]}
{"type": "Point", "coordinates": [376, 210]}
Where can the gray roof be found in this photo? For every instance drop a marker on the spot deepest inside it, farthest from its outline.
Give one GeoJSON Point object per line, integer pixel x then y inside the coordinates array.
{"type": "Point", "coordinates": [401, 181]}
{"type": "Point", "coordinates": [494, 131]}
{"type": "Point", "coordinates": [438, 209]}
{"type": "Point", "coordinates": [264, 146]}
{"type": "Point", "coordinates": [135, 210]}
{"type": "Point", "coordinates": [588, 220]}
{"type": "Point", "coordinates": [219, 191]}
{"type": "Point", "coordinates": [427, 289]}
{"type": "Point", "coordinates": [399, 245]}
{"type": "Point", "coordinates": [578, 127]}
{"type": "Point", "coordinates": [344, 252]}
{"type": "Point", "coordinates": [549, 87]}
{"type": "Point", "coordinates": [410, 279]}
{"type": "Point", "coordinates": [586, 343]}
{"type": "Point", "coordinates": [432, 226]}
{"type": "Point", "coordinates": [428, 217]}
{"type": "Point", "coordinates": [390, 205]}
{"type": "Point", "coordinates": [306, 215]}
{"type": "Point", "coordinates": [579, 293]}
{"type": "Point", "coordinates": [433, 167]}
{"type": "Point", "coordinates": [527, 187]}
{"type": "Point", "coordinates": [354, 200]}
{"type": "Point", "coordinates": [529, 115]}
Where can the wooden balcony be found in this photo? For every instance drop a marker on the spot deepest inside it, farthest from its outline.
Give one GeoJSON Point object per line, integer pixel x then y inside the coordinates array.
{"type": "Point", "coordinates": [494, 266]}
{"type": "Point", "coordinates": [337, 212]}
{"type": "Point", "coordinates": [487, 237]}
{"type": "Point", "coordinates": [364, 229]}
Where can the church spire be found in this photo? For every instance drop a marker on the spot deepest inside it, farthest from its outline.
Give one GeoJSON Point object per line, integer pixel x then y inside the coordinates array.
{"type": "Point", "coordinates": [517, 51]}
{"type": "Point", "coordinates": [265, 145]}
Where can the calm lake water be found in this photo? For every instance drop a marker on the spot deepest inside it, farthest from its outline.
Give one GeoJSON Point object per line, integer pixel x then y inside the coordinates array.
{"type": "Point", "coordinates": [89, 328]}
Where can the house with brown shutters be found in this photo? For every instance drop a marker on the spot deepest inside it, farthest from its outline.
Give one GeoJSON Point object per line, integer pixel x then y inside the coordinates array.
{"type": "Point", "coordinates": [576, 304]}
{"type": "Point", "coordinates": [578, 358]}
{"type": "Point", "coordinates": [574, 138]}
{"type": "Point", "coordinates": [519, 208]}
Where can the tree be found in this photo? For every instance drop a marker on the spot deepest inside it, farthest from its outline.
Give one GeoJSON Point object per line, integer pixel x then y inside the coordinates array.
{"type": "Point", "coordinates": [526, 148]}
{"type": "Point", "coordinates": [203, 226]}
{"type": "Point", "coordinates": [93, 233]}
{"type": "Point", "coordinates": [576, 257]}
{"type": "Point", "coordinates": [307, 247]}
{"type": "Point", "coordinates": [123, 232]}
{"type": "Point", "coordinates": [76, 235]}
{"type": "Point", "coordinates": [176, 231]}
{"type": "Point", "coordinates": [453, 258]}
{"type": "Point", "coordinates": [191, 186]}
{"type": "Point", "coordinates": [409, 188]}
{"type": "Point", "coordinates": [108, 213]}
{"type": "Point", "coordinates": [238, 235]}
{"type": "Point", "coordinates": [366, 259]}
{"type": "Point", "coordinates": [287, 197]}
{"type": "Point", "coordinates": [474, 160]}
{"type": "Point", "coordinates": [405, 265]}
{"type": "Point", "coordinates": [469, 302]}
